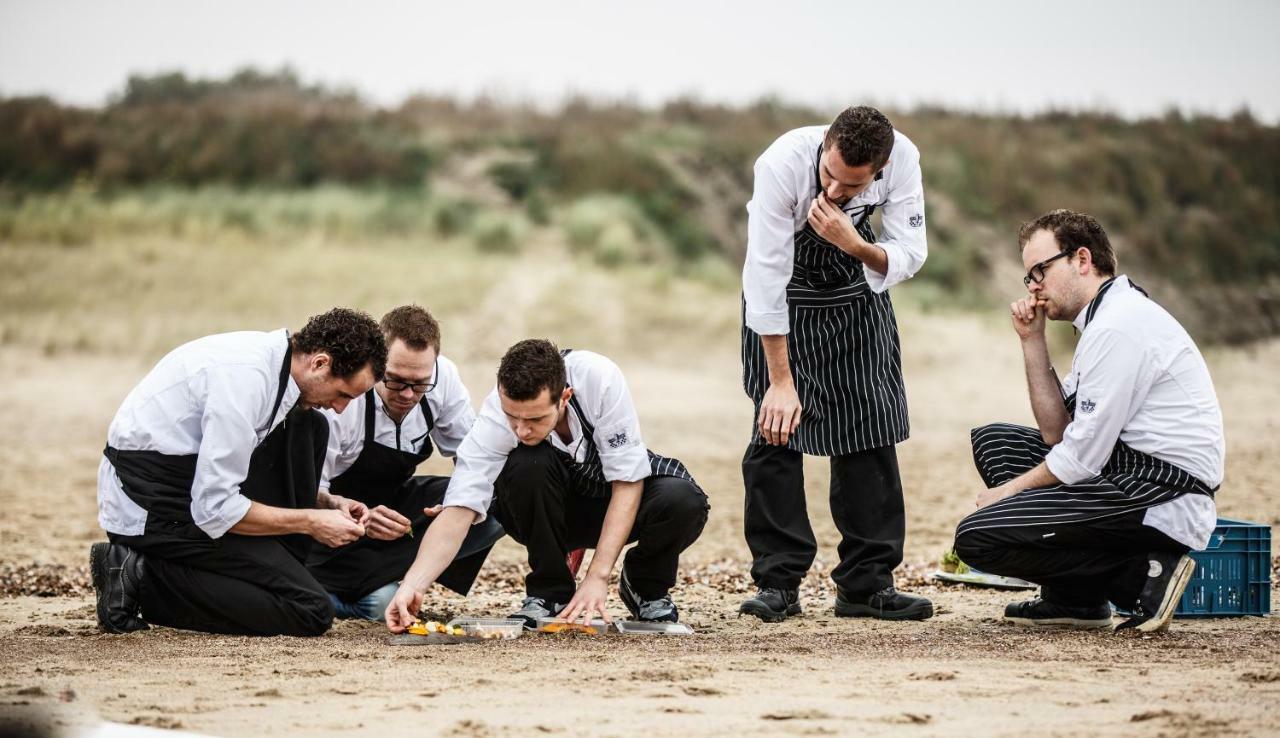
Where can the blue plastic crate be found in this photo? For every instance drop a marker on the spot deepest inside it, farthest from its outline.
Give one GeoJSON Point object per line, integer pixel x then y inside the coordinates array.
{"type": "Point", "coordinates": [1233, 573]}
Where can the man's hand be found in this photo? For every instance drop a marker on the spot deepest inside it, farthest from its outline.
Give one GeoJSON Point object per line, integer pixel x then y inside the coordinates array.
{"type": "Point", "coordinates": [333, 528]}
{"type": "Point", "coordinates": [779, 413]}
{"type": "Point", "coordinates": [833, 224]}
{"type": "Point", "coordinates": [1027, 315]}
{"type": "Point", "coordinates": [386, 524]}
{"type": "Point", "coordinates": [995, 494]}
{"type": "Point", "coordinates": [354, 509]}
{"type": "Point", "coordinates": [588, 601]}
{"type": "Point", "coordinates": [403, 610]}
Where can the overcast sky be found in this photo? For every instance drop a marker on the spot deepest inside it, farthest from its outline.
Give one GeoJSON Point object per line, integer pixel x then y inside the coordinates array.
{"type": "Point", "coordinates": [1135, 58]}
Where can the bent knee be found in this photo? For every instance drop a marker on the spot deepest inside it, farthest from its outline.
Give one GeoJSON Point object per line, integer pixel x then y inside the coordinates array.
{"type": "Point", "coordinates": [973, 548]}
{"type": "Point", "coordinates": [527, 465]}
{"type": "Point", "coordinates": [980, 435]}
{"type": "Point", "coordinates": [314, 616]}
{"type": "Point", "coordinates": [682, 502]}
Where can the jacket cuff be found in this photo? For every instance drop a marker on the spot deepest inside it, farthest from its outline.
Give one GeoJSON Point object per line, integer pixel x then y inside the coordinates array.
{"type": "Point", "coordinates": [230, 512]}
{"type": "Point", "coordinates": [774, 323]}
{"type": "Point", "coordinates": [1066, 467]}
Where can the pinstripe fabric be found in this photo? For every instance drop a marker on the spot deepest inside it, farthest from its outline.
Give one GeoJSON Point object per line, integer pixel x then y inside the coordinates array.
{"type": "Point", "coordinates": [1130, 481]}
{"type": "Point", "coordinates": [588, 476]}
{"type": "Point", "coordinates": [843, 348]}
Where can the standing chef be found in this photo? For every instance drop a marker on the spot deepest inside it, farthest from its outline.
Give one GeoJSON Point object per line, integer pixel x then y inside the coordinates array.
{"type": "Point", "coordinates": [374, 449]}
{"type": "Point", "coordinates": [821, 358]}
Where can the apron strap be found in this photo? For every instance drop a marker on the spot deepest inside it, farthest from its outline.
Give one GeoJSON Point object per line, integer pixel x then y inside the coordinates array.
{"type": "Point", "coordinates": [588, 430]}
{"type": "Point", "coordinates": [368, 416]}
{"type": "Point", "coordinates": [427, 415]}
{"type": "Point", "coordinates": [284, 380]}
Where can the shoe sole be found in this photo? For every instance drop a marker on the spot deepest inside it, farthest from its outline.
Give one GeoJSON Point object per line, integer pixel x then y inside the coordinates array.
{"type": "Point", "coordinates": [767, 615]}
{"type": "Point", "coordinates": [1172, 594]}
{"type": "Point", "coordinates": [922, 611]}
{"type": "Point", "coordinates": [98, 574]}
{"type": "Point", "coordinates": [1060, 623]}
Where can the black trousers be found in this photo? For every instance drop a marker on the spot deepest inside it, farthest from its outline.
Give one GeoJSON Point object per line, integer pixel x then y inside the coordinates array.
{"type": "Point", "coordinates": [355, 570]}
{"type": "Point", "coordinates": [535, 500]}
{"type": "Point", "coordinates": [1080, 563]}
{"type": "Point", "coordinates": [243, 585]}
{"type": "Point", "coordinates": [866, 504]}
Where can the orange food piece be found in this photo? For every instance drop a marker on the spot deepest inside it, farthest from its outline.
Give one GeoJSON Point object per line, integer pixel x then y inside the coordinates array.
{"type": "Point", "coordinates": [567, 627]}
{"type": "Point", "coordinates": [420, 628]}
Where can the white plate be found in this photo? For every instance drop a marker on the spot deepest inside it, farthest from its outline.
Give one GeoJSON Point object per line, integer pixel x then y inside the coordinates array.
{"type": "Point", "coordinates": [632, 627]}
{"type": "Point", "coordinates": [977, 578]}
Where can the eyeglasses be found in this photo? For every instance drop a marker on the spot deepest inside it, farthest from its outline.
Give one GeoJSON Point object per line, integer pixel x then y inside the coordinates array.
{"type": "Point", "coordinates": [397, 385]}
{"type": "Point", "coordinates": [1036, 272]}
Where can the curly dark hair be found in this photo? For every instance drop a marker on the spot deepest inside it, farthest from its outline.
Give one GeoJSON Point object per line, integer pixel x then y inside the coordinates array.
{"type": "Point", "coordinates": [530, 366]}
{"type": "Point", "coordinates": [1073, 231]}
{"type": "Point", "coordinates": [350, 338]}
{"type": "Point", "coordinates": [862, 135]}
{"type": "Point", "coordinates": [413, 325]}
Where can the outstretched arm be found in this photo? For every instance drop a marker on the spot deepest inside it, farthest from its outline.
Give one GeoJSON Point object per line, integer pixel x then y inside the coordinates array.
{"type": "Point", "coordinates": [440, 544]}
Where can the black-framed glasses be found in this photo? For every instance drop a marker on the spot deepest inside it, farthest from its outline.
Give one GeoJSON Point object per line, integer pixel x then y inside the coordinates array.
{"type": "Point", "coordinates": [1036, 272]}
{"type": "Point", "coordinates": [397, 385]}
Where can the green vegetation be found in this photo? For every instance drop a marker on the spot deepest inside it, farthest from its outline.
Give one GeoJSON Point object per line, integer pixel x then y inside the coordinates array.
{"type": "Point", "coordinates": [1192, 203]}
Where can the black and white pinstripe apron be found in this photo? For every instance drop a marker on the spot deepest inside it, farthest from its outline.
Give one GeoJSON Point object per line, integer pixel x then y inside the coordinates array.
{"type": "Point", "coordinates": [588, 474]}
{"type": "Point", "coordinates": [1130, 481]}
{"type": "Point", "coordinates": [845, 356]}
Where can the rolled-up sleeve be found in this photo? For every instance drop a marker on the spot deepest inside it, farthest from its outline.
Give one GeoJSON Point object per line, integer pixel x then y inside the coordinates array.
{"type": "Point", "coordinates": [228, 438]}
{"type": "Point", "coordinates": [622, 451]}
{"type": "Point", "coordinates": [902, 228]}
{"type": "Point", "coordinates": [480, 459]}
{"type": "Point", "coordinates": [455, 417]}
{"type": "Point", "coordinates": [1112, 382]}
{"type": "Point", "coordinates": [770, 249]}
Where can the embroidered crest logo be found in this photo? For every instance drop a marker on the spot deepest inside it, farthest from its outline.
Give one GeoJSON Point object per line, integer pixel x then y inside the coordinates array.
{"type": "Point", "coordinates": [1087, 406]}
{"type": "Point", "coordinates": [916, 220]}
{"type": "Point", "coordinates": [618, 440]}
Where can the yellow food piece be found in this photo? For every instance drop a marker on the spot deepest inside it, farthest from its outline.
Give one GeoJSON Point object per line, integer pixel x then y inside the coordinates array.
{"type": "Point", "coordinates": [431, 626]}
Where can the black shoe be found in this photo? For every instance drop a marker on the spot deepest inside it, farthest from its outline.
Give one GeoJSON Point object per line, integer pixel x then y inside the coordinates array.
{"type": "Point", "coordinates": [772, 605]}
{"type": "Point", "coordinates": [661, 610]}
{"type": "Point", "coordinates": [533, 608]}
{"type": "Point", "coordinates": [1167, 576]}
{"type": "Point", "coordinates": [117, 577]}
{"type": "Point", "coordinates": [887, 604]}
{"type": "Point", "coordinates": [1038, 613]}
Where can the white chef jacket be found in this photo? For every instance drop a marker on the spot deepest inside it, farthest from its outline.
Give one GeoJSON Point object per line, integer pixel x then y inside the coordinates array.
{"type": "Point", "coordinates": [450, 405]}
{"type": "Point", "coordinates": [211, 397]}
{"type": "Point", "coordinates": [785, 184]}
{"type": "Point", "coordinates": [605, 400]}
{"type": "Point", "coordinates": [1139, 378]}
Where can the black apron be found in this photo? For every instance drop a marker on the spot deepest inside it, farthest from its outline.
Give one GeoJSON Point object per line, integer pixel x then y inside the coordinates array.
{"type": "Point", "coordinates": [376, 477]}
{"type": "Point", "coordinates": [1131, 481]}
{"type": "Point", "coordinates": [587, 475]}
{"type": "Point", "coordinates": [843, 348]}
{"type": "Point", "coordinates": [381, 475]}
{"type": "Point", "coordinates": [378, 473]}
{"type": "Point", "coordinates": [161, 483]}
